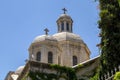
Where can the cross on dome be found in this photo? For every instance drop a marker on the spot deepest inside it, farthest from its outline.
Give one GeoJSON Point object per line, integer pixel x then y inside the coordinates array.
{"type": "Point", "coordinates": [46, 31]}
{"type": "Point", "coordinates": [65, 10]}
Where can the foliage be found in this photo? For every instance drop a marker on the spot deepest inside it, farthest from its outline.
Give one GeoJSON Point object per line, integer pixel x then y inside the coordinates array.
{"type": "Point", "coordinates": [62, 72]}
{"type": "Point", "coordinates": [117, 76]}
{"type": "Point", "coordinates": [110, 34]}
{"type": "Point", "coordinates": [25, 77]}
{"type": "Point", "coordinates": [42, 76]}
{"type": "Point", "coordinates": [95, 77]}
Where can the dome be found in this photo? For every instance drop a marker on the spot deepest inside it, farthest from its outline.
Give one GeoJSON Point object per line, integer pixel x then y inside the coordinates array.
{"type": "Point", "coordinates": [67, 36]}
{"type": "Point", "coordinates": [19, 69]}
{"type": "Point", "coordinates": [64, 16]}
{"type": "Point", "coordinates": [43, 38]}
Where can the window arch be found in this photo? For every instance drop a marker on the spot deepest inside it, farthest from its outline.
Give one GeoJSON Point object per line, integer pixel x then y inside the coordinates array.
{"type": "Point", "coordinates": [75, 60]}
{"type": "Point", "coordinates": [38, 56]}
{"type": "Point", "coordinates": [50, 57]}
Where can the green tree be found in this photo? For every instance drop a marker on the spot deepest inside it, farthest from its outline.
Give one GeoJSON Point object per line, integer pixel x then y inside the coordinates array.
{"type": "Point", "coordinates": [109, 25]}
{"type": "Point", "coordinates": [117, 76]}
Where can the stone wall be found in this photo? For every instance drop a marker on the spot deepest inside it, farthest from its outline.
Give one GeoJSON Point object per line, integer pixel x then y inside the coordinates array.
{"type": "Point", "coordinates": [45, 71]}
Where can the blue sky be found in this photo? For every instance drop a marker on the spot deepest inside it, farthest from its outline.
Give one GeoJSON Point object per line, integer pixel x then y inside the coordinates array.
{"type": "Point", "coordinates": [22, 20]}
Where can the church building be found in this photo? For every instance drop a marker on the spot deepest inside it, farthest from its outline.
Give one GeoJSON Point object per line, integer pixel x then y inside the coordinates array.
{"type": "Point", "coordinates": [63, 50]}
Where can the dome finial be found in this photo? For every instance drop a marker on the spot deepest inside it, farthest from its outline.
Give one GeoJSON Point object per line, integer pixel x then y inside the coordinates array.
{"type": "Point", "coordinates": [46, 31]}
{"type": "Point", "coordinates": [65, 10]}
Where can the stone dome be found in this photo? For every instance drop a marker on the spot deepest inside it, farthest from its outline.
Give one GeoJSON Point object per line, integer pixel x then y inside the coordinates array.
{"type": "Point", "coordinates": [44, 38]}
{"type": "Point", "coordinates": [19, 69]}
{"type": "Point", "coordinates": [64, 16]}
{"type": "Point", "coordinates": [67, 36]}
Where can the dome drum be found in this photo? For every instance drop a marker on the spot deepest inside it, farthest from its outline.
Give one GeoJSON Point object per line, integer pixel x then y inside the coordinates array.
{"type": "Point", "coordinates": [64, 23]}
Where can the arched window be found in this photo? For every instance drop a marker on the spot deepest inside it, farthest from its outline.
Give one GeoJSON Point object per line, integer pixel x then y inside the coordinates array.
{"type": "Point", "coordinates": [62, 26]}
{"type": "Point", "coordinates": [38, 56]}
{"type": "Point", "coordinates": [67, 25]}
{"type": "Point", "coordinates": [50, 57]}
{"type": "Point", "coordinates": [74, 60]}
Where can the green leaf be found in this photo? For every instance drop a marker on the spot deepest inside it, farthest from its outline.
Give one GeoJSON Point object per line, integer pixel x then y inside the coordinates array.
{"type": "Point", "coordinates": [119, 2]}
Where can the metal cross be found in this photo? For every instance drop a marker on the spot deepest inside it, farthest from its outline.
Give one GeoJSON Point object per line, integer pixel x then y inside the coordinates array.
{"type": "Point", "coordinates": [65, 10]}
{"type": "Point", "coordinates": [46, 31]}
